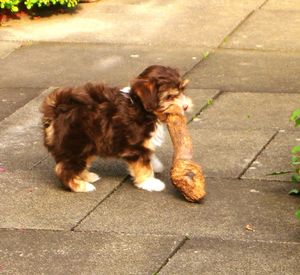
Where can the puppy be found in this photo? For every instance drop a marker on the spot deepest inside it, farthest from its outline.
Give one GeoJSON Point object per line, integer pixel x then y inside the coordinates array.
{"type": "Point", "coordinates": [94, 120]}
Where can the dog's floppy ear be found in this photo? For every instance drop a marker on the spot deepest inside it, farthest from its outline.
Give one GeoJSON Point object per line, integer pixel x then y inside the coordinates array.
{"type": "Point", "coordinates": [146, 90]}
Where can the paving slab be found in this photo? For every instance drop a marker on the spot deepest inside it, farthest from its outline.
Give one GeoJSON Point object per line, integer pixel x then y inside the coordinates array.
{"type": "Point", "coordinates": [236, 4]}
{"type": "Point", "coordinates": [222, 153]}
{"type": "Point", "coordinates": [153, 24]}
{"type": "Point", "coordinates": [56, 64]}
{"type": "Point", "coordinates": [47, 252]}
{"type": "Point", "coordinates": [200, 98]}
{"type": "Point", "coordinates": [7, 47]}
{"type": "Point", "coordinates": [37, 200]}
{"type": "Point", "coordinates": [21, 144]}
{"type": "Point", "coordinates": [254, 111]}
{"type": "Point", "coordinates": [227, 4]}
{"type": "Point", "coordinates": [276, 157]}
{"type": "Point", "coordinates": [248, 71]}
{"type": "Point", "coordinates": [14, 98]}
{"type": "Point", "coordinates": [217, 256]}
{"type": "Point", "coordinates": [268, 30]}
{"type": "Point", "coordinates": [290, 5]}
{"type": "Point", "coordinates": [230, 206]}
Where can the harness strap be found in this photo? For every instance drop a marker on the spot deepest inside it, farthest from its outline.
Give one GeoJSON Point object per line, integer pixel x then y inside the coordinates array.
{"type": "Point", "coordinates": [126, 93]}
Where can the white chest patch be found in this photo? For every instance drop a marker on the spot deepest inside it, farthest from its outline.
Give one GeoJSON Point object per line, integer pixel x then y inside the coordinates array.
{"type": "Point", "coordinates": [158, 136]}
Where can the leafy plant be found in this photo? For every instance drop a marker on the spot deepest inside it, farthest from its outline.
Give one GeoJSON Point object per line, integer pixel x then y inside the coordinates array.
{"type": "Point", "coordinates": [206, 54]}
{"type": "Point", "coordinates": [11, 5]}
{"type": "Point", "coordinates": [14, 5]}
{"type": "Point", "coordinates": [39, 3]}
{"type": "Point", "coordinates": [295, 161]}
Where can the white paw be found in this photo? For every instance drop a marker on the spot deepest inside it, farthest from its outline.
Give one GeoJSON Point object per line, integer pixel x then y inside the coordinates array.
{"type": "Point", "coordinates": [93, 177]}
{"type": "Point", "coordinates": [158, 167]}
{"type": "Point", "coordinates": [89, 176]}
{"type": "Point", "coordinates": [152, 184]}
{"type": "Point", "coordinates": [89, 187]}
{"type": "Point", "coordinates": [81, 186]}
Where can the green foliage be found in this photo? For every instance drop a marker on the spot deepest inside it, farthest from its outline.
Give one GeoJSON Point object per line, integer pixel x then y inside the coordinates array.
{"type": "Point", "coordinates": [11, 5]}
{"type": "Point", "coordinates": [39, 3]}
{"type": "Point", "coordinates": [295, 161]}
{"type": "Point", "coordinates": [279, 173]}
{"type": "Point", "coordinates": [14, 5]}
{"type": "Point", "coordinates": [294, 191]}
{"type": "Point", "coordinates": [206, 54]}
{"type": "Point", "coordinates": [210, 101]}
{"type": "Point", "coordinates": [295, 116]}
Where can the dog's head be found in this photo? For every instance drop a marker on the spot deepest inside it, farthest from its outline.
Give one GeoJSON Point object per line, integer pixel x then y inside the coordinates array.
{"type": "Point", "coordinates": [160, 88]}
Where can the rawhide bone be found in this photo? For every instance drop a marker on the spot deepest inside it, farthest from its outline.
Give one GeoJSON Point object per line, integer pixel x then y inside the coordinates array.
{"type": "Point", "coordinates": [186, 175]}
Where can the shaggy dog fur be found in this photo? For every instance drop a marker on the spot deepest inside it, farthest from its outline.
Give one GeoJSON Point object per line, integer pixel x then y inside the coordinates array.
{"type": "Point", "coordinates": [82, 123]}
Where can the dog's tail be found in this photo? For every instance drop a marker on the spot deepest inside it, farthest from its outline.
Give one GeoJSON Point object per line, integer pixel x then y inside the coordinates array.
{"type": "Point", "coordinates": [64, 100]}
{"type": "Point", "coordinates": [54, 104]}
{"type": "Point", "coordinates": [61, 109]}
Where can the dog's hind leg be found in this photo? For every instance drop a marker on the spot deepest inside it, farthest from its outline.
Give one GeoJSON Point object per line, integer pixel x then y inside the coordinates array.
{"type": "Point", "coordinates": [157, 165]}
{"type": "Point", "coordinates": [143, 175]}
{"type": "Point", "coordinates": [86, 175]}
{"type": "Point", "coordinates": [72, 177]}
{"type": "Point", "coordinates": [89, 176]}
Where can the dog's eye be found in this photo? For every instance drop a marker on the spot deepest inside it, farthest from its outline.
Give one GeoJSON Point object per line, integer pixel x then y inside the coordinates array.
{"type": "Point", "coordinates": [169, 97]}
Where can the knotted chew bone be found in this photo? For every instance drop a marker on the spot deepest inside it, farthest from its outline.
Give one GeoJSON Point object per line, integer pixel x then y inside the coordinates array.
{"type": "Point", "coordinates": [186, 175]}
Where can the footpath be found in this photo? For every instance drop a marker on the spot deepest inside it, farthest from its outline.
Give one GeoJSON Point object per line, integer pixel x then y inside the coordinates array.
{"type": "Point", "coordinates": [243, 62]}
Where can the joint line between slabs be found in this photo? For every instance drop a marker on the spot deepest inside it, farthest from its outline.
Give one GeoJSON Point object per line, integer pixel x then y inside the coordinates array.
{"type": "Point", "coordinates": [226, 38]}
{"type": "Point", "coordinates": [215, 97]}
{"type": "Point", "coordinates": [210, 51]}
{"type": "Point", "coordinates": [96, 206]}
{"type": "Point", "coordinates": [263, 4]}
{"type": "Point", "coordinates": [240, 24]}
{"type": "Point", "coordinates": [223, 40]}
{"type": "Point", "coordinates": [38, 162]}
{"type": "Point", "coordinates": [258, 153]}
{"type": "Point", "coordinates": [176, 249]}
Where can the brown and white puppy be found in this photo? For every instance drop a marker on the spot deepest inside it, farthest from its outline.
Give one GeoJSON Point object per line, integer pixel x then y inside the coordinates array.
{"type": "Point", "coordinates": [94, 120]}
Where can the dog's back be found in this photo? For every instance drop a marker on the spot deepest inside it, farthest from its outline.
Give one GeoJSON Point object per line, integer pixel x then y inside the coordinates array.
{"type": "Point", "coordinates": [69, 110]}
{"type": "Point", "coordinates": [64, 100]}
{"type": "Point", "coordinates": [92, 119]}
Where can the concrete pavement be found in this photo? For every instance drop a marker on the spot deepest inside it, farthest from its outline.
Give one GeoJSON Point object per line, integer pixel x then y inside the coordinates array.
{"type": "Point", "coordinates": [243, 62]}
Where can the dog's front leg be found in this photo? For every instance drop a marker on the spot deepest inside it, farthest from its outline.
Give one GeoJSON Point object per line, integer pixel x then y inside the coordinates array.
{"type": "Point", "coordinates": [157, 165]}
{"type": "Point", "coordinates": [143, 175]}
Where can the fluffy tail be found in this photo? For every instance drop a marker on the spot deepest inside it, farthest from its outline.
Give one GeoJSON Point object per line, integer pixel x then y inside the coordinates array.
{"type": "Point", "coordinates": [66, 100]}
{"type": "Point", "coordinates": [49, 107]}
{"type": "Point", "coordinates": [61, 109]}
